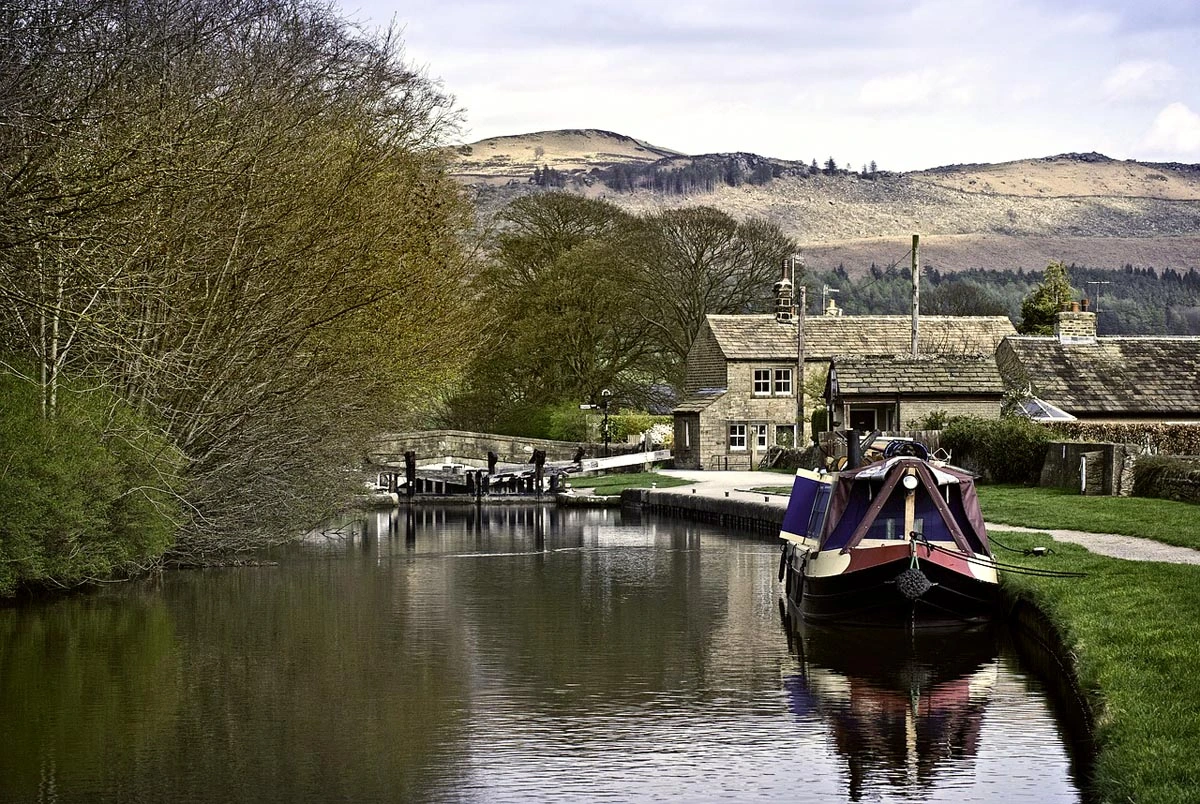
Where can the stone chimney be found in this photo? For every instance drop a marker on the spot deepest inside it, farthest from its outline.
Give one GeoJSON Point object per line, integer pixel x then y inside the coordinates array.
{"type": "Point", "coordinates": [1075, 325]}
{"type": "Point", "coordinates": [831, 308]}
{"type": "Point", "coordinates": [783, 296]}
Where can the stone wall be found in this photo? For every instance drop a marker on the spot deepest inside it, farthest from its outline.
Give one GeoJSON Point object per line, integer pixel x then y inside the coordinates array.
{"type": "Point", "coordinates": [1109, 467]}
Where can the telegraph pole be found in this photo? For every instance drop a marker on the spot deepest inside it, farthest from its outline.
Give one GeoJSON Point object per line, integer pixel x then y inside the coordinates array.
{"type": "Point", "coordinates": [801, 306]}
{"type": "Point", "coordinates": [916, 290]}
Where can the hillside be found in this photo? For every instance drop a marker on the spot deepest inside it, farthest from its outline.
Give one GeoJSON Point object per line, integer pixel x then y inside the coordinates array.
{"type": "Point", "coordinates": [1081, 208]}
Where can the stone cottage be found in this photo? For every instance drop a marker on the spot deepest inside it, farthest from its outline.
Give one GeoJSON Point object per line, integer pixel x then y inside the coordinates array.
{"type": "Point", "coordinates": [739, 397]}
{"type": "Point", "coordinates": [1105, 377]}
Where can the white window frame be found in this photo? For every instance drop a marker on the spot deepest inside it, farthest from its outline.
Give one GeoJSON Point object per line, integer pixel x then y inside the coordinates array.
{"type": "Point", "coordinates": [762, 387]}
{"type": "Point", "coordinates": [687, 434]}
{"type": "Point", "coordinates": [760, 435]}
{"type": "Point", "coordinates": [782, 385]}
{"type": "Point", "coordinates": [737, 436]}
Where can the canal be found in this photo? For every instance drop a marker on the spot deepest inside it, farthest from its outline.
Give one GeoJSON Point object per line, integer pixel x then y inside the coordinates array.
{"type": "Point", "coordinates": [503, 655]}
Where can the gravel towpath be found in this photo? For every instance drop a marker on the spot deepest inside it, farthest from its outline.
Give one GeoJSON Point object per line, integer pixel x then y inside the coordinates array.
{"type": "Point", "coordinates": [1131, 548]}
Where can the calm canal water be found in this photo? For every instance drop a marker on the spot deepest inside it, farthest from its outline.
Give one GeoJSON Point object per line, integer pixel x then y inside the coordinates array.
{"type": "Point", "coordinates": [512, 654]}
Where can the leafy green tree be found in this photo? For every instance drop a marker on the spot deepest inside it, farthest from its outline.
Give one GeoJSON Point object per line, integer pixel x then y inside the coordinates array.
{"type": "Point", "coordinates": [236, 215]}
{"type": "Point", "coordinates": [562, 318]}
{"type": "Point", "coordinates": [1040, 307]}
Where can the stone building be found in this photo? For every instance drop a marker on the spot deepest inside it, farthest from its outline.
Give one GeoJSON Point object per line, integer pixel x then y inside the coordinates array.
{"type": "Point", "coordinates": [739, 397]}
{"type": "Point", "coordinates": [895, 393]}
{"type": "Point", "coordinates": [1105, 377]}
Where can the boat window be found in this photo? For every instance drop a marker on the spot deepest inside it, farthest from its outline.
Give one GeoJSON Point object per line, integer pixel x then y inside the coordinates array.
{"type": "Point", "coordinates": [820, 508]}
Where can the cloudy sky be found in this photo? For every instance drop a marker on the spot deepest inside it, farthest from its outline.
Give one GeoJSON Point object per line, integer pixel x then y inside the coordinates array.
{"type": "Point", "coordinates": [909, 84]}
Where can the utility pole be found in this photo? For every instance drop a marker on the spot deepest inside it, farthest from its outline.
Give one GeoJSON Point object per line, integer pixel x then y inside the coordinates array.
{"type": "Point", "coordinates": [916, 290]}
{"type": "Point", "coordinates": [802, 304]}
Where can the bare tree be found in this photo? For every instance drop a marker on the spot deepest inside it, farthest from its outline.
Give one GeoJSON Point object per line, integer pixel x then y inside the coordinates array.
{"type": "Point", "coordinates": [236, 214]}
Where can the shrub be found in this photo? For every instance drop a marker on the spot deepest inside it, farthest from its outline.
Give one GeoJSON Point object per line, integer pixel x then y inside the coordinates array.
{"type": "Point", "coordinates": [934, 420]}
{"type": "Point", "coordinates": [1007, 450]}
{"type": "Point", "coordinates": [81, 495]}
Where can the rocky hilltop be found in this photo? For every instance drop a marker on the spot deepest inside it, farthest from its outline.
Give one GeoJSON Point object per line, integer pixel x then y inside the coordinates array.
{"type": "Point", "coordinates": [1082, 208]}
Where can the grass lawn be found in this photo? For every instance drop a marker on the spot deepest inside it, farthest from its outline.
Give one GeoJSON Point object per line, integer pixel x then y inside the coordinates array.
{"type": "Point", "coordinates": [1133, 631]}
{"type": "Point", "coordinates": [1165, 521]}
{"type": "Point", "coordinates": [784, 490]}
{"type": "Point", "coordinates": [610, 485]}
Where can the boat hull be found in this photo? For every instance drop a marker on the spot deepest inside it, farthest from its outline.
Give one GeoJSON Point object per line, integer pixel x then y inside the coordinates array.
{"type": "Point", "coordinates": [868, 590]}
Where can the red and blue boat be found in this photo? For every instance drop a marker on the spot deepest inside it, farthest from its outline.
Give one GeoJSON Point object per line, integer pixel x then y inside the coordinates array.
{"type": "Point", "coordinates": [897, 542]}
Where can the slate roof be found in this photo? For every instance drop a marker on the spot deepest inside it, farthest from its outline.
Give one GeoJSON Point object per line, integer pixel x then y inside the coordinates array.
{"type": "Point", "coordinates": [761, 337]}
{"type": "Point", "coordinates": [699, 400]}
{"type": "Point", "coordinates": [1126, 375]}
{"type": "Point", "coordinates": [929, 376]}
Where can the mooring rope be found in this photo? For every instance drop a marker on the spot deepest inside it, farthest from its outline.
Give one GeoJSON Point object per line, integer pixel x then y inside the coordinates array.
{"type": "Point", "coordinates": [1016, 569]}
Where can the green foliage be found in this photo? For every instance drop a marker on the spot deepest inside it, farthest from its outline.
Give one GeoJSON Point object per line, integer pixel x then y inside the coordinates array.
{"type": "Point", "coordinates": [634, 424]}
{"type": "Point", "coordinates": [1040, 307]}
{"type": "Point", "coordinates": [1166, 478]}
{"type": "Point", "coordinates": [934, 420]}
{"type": "Point", "coordinates": [237, 214]}
{"type": "Point", "coordinates": [580, 296]}
{"type": "Point", "coordinates": [567, 423]}
{"type": "Point", "coordinates": [1169, 439]}
{"type": "Point", "coordinates": [83, 495]}
{"type": "Point", "coordinates": [1006, 450]}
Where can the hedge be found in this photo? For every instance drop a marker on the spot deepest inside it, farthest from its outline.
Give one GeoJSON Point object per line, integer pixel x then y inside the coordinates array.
{"type": "Point", "coordinates": [1166, 439]}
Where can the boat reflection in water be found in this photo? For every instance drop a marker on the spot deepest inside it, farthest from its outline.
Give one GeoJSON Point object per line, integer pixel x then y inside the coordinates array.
{"type": "Point", "coordinates": [904, 707]}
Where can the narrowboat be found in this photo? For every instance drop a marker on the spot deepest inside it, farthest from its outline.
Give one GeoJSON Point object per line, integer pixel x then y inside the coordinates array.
{"type": "Point", "coordinates": [900, 541]}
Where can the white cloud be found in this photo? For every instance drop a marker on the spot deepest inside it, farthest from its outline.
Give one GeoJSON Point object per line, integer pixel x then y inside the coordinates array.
{"type": "Point", "coordinates": [1175, 133]}
{"type": "Point", "coordinates": [924, 87]}
{"type": "Point", "coordinates": [1138, 80]}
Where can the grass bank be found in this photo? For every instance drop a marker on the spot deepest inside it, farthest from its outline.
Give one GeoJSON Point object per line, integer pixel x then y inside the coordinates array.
{"type": "Point", "coordinates": [1132, 630]}
{"type": "Point", "coordinates": [1166, 521]}
{"type": "Point", "coordinates": [610, 485]}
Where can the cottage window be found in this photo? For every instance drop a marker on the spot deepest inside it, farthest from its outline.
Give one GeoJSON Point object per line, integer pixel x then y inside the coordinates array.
{"type": "Point", "coordinates": [687, 434]}
{"type": "Point", "coordinates": [762, 382]}
{"type": "Point", "coordinates": [737, 437]}
{"type": "Point", "coordinates": [760, 435]}
{"type": "Point", "coordinates": [783, 382]}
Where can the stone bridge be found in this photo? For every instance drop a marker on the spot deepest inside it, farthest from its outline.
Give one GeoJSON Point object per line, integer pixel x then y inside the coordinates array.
{"type": "Point", "coordinates": [469, 449]}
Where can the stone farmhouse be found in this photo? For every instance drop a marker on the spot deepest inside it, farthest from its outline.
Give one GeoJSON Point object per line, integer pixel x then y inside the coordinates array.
{"type": "Point", "coordinates": [1104, 377]}
{"type": "Point", "coordinates": [739, 397]}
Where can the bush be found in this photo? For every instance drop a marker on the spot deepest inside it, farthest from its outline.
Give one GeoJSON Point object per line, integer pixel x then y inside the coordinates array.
{"type": "Point", "coordinates": [1007, 450]}
{"type": "Point", "coordinates": [82, 495]}
{"type": "Point", "coordinates": [934, 420]}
